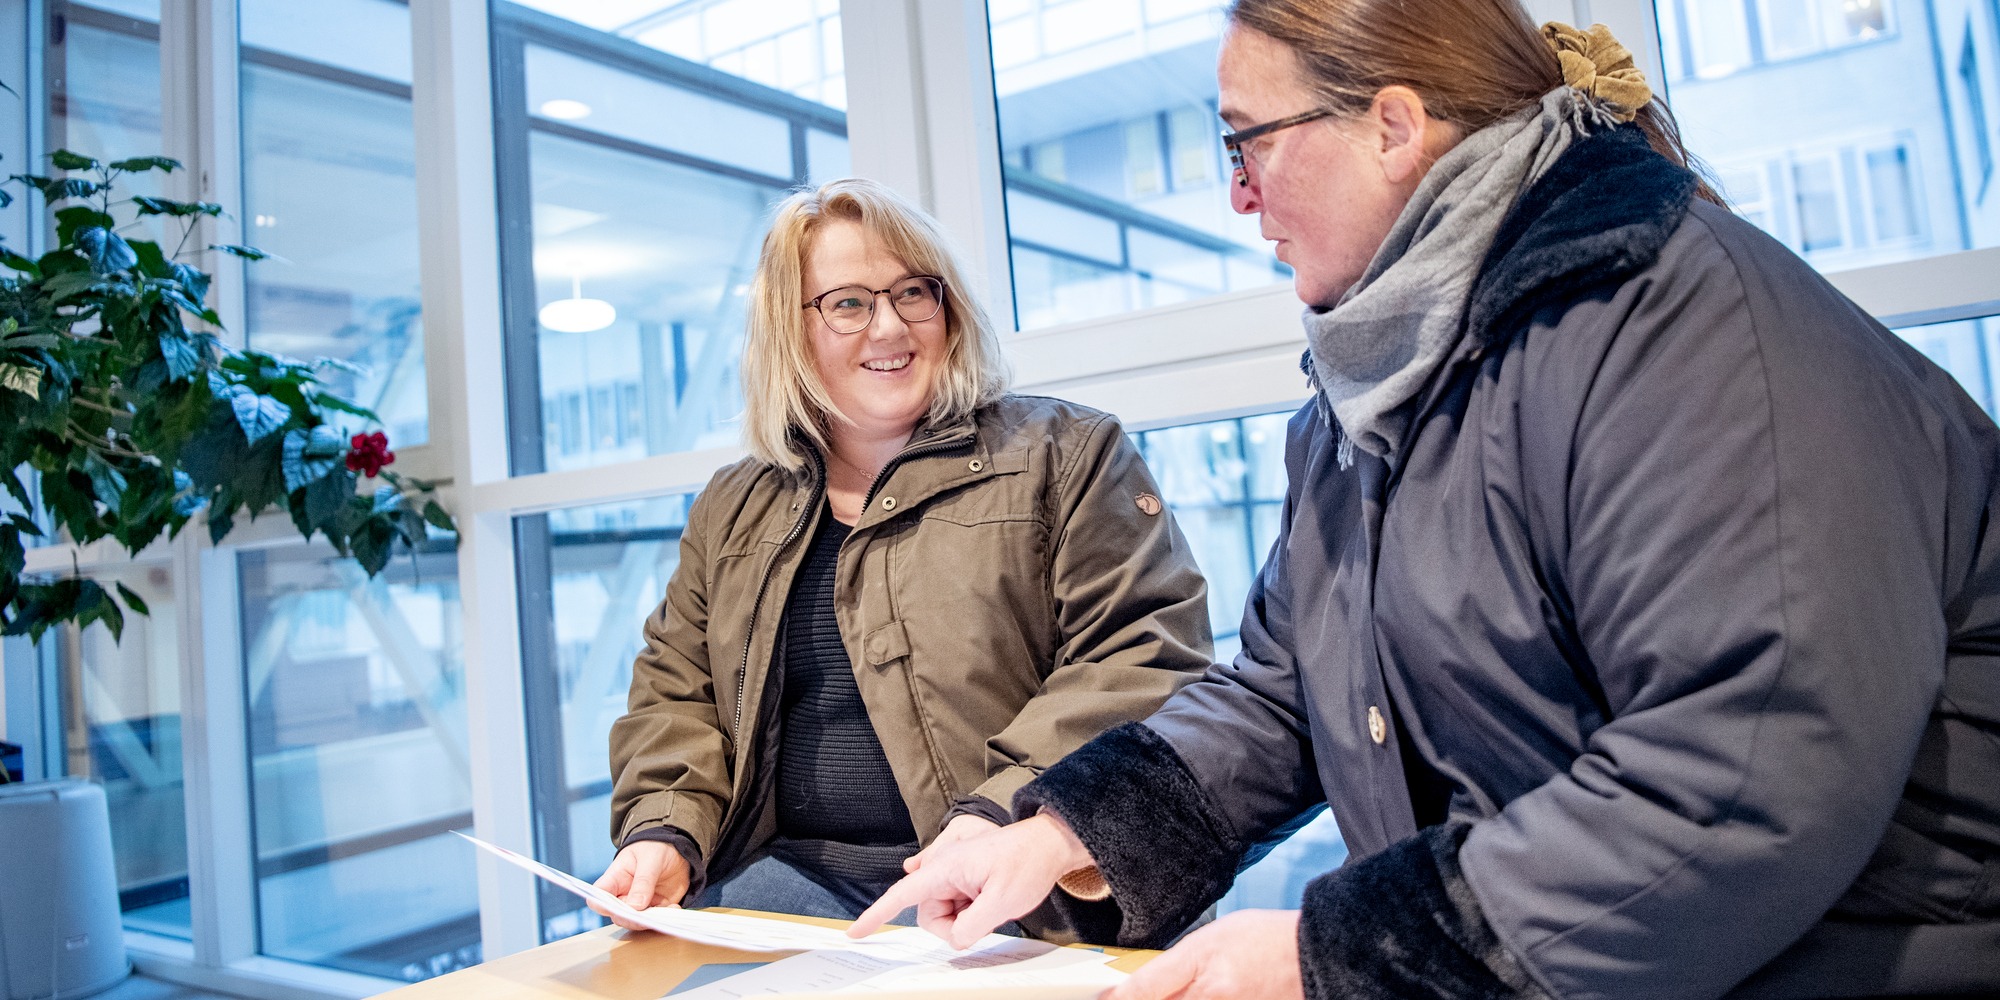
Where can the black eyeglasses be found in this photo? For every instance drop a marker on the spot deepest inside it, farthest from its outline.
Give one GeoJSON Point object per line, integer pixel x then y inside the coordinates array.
{"type": "Point", "coordinates": [850, 308]}
{"type": "Point", "coordinates": [1233, 141]}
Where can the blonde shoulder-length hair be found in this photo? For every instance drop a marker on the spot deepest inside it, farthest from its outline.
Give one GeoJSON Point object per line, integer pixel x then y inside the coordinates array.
{"type": "Point", "coordinates": [784, 398]}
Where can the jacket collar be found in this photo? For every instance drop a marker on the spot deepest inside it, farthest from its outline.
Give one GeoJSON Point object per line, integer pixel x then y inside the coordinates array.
{"type": "Point", "coordinates": [913, 472]}
{"type": "Point", "coordinates": [1600, 215]}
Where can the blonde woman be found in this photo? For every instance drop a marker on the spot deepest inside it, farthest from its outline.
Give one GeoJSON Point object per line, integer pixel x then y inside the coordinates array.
{"type": "Point", "coordinates": [915, 595]}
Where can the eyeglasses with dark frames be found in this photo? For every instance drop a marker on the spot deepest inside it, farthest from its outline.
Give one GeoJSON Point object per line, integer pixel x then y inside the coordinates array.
{"type": "Point", "coordinates": [1233, 141]}
{"type": "Point", "coordinates": [850, 308]}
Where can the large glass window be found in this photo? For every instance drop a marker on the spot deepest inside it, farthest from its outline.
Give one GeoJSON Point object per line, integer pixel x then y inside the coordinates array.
{"type": "Point", "coordinates": [125, 734]}
{"type": "Point", "coordinates": [358, 762]}
{"type": "Point", "coordinates": [1225, 481]}
{"type": "Point", "coordinates": [1969, 349]}
{"type": "Point", "coordinates": [104, 94]}
{"type": "Point", "coordinates": [589, 578]}
{"type": "Point", "coordinates": [1853, 130]}
{"type": "Point", "coordinates": [329, 189]}
{"type": "Point", "coordinates": [1115, 180]}
{"type": "Point", "coordinates": [641, 146]}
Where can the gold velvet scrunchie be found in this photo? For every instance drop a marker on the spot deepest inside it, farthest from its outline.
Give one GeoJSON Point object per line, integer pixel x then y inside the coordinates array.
{"type": "Point", "coordinates": [1601, 67]}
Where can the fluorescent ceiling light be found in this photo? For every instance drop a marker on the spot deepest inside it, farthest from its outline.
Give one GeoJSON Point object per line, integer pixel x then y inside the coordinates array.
{"type": "Point", "coordinates": [564, 109]}
{"type": "Point", "coordinates": [577, 314]}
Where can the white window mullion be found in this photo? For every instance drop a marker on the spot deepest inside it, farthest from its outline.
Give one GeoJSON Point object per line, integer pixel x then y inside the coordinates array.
{"type": "Point", "coordinates": [222, 879]}
{"type": "Point", "coordinates": [199, 126]}
{"type": "Point", "coordinates": [451, 97]}
{"type": "Point", "coordinates": [921, 119]}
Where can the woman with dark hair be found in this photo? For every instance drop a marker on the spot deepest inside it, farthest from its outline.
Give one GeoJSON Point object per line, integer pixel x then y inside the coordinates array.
{"type": "Point", "coordinates": [1636, 609]}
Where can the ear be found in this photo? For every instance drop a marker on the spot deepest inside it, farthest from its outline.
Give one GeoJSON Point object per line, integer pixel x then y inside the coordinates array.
{"type": "Point", "coordinates": [1403, 132]}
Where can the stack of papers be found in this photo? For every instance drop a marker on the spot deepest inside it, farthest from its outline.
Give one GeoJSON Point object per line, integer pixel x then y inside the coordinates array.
{"type": "Point", "coordinates": [911, 960]}
{"type": "Point", "coordinates": [905, 960]}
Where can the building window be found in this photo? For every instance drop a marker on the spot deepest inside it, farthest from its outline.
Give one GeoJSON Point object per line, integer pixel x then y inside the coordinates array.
{"type": "Point", "coordinates": [1975, 106]}
{"type": "Point", "coordinates": [1817, 199]}
{"type": "Point", "coordinates": [1892, 195]}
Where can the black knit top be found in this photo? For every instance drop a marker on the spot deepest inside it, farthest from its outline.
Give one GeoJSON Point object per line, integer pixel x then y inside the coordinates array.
{"type": "Point", "coordinates": [833, 780]}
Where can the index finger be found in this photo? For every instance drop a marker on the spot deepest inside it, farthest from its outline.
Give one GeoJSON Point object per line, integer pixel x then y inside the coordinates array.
{"type": "Point", "coordinates": [907, 892]}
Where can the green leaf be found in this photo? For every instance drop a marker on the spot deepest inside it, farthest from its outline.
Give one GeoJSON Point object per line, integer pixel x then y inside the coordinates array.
{"type": "Point", "coordinates": [311, 454]}
{"type": "Point", "coordinates": [334, 402]}
{"type": "Point", "coordinates": [15, 262]}
{"type": "Point", "coordinates": [388, 500]}
{"type": "Point", "coordinates": [108, 482]}
{"type": "Point", "coordinates": [66, 160]}
{"type": "Point", "coordinates": [438, 517]}
{"type": "Point", "coordinates": [237, 250]}
{"type": "Point", "coordinates": [326, 498]}
{"type": "Point", "coordinates": [13, 556]}
{"type": "Point", "coordinates": [258, 415]}
{"type": "Point", "coordinates": [139, 163]}
{"type": "Point", "coordinates": [178, 209]}
{"type": "Point", "coordinates": [219, 525]}
{"type": "Point", "coordinates": [59, 189]}
{"type": "Point", "coordinates": [108, 251]}
{"type": "Point", "coordinates": [182, 360]}
{"type": "Point", "coordinates": [94, 605]}
{"type": "Point", "coordinates": [132, 600]}
{"type": "Point", "coordinates": [70, 284]}
{"type": "Point", "coordinates": [72, 221]}
{"type": "Point", "coordinates": [373, 545]}
{"type": "Point", "coordinates": [193, 281]}
{"type": "Point", "coordinates": [152, 260]}
{"type": "Point", "coordinates": [21, 379]}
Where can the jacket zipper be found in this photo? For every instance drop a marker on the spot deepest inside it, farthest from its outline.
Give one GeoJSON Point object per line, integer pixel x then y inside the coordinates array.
{"type": "Point", "coordinates": [806, 513]}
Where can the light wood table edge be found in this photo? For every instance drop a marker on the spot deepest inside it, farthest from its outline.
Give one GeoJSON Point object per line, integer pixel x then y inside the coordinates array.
{"type": "Point", "coordinates": [614, 964]}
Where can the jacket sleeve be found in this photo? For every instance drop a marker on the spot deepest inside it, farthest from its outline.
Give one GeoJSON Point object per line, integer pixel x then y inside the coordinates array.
{"type": "Point", "coordinates": [669, 755]}
{"type": "Point", "coordinates": [1130, 604]}
{"type": "Point", "coordinates": [1753, 570]}
{"type": "Point", "coordinates": [1141, 793]}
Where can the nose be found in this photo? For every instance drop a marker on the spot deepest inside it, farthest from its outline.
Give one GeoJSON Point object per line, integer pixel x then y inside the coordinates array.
{"type": "Point", "coordinates": [1244, 196]}
{"type": "Point", "coordinates": [886, 323]}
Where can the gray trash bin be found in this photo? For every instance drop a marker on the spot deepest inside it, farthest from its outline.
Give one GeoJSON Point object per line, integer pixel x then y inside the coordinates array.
{"type": "Point", "coordinates": [60, 933]}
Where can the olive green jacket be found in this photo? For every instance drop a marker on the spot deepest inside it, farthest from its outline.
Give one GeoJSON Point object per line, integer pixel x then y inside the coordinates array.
{"type": "Point", "coordinates": [1012, 589]}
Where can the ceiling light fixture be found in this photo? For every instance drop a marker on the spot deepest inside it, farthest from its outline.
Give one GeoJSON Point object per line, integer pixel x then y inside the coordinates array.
{"type": "Point", "coordinates": [564, 109]}
{"type": "Point", "coordinates": [577, 314]}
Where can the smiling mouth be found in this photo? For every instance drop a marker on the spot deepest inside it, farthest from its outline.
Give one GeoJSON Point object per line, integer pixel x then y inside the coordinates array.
{"type": "Point", "coordinates": [897, 363]}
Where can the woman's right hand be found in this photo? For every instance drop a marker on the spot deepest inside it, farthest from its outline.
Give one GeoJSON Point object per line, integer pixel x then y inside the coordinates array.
{"type": "Point", "coordinates": [966, 889]}
{"type": "Point", "coordinates": [647, 873]}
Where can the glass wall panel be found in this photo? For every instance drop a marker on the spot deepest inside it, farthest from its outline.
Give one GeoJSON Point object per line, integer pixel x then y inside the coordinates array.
{"type": "Point", "coordinates": [104, 87]}
{"type": "Point", "coordinates": [358, 762]}
{"type": "Point", "coordinates": [1115, 178]}
{"type": "Point", "coordinates": [124, 706]}
{"type": "Point", "coordinates": [329, 184]}
{"type": "Point", "coordinates": [640, 151]}
{"type": "Point", "coordinates": [589, 578]}
{"type": "Point", "coordinates": [1858, 132]}
{"type": "Point", "coordinates": [787, 45]}
{"type": "Point", "coordinates": [1968, 349]}
{"type": "Point", "coordinates": [1225, 481]}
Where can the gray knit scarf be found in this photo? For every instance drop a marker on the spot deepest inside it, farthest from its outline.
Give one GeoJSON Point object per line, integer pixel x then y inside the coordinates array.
{"type": "Point", "coordinates": [1381, 343]}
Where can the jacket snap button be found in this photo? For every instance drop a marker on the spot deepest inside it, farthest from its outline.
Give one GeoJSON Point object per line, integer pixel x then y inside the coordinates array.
{"type": "Point", "coordinates": [888, 503]}
{"type": "Point", "coordinates": [975, 465]}
{"type": "Point", "coordinates": [1378, 727]}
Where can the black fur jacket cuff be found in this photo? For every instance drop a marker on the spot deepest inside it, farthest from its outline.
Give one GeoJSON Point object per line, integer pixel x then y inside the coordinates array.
{"type": "Point", "coordinates": [1156, 837]}
{"type": "Point", "coordinates": [1404, 923]}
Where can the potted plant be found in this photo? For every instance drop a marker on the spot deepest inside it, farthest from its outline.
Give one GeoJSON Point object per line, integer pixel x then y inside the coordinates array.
{"type": "Point", "coordinates": [135, 419]}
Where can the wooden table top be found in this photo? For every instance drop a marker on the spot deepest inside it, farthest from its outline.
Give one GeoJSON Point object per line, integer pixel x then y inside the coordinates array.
{"type": "Point", "coordinates": [615, 964]}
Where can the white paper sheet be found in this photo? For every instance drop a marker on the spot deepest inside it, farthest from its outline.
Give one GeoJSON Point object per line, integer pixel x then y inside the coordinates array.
{"type": "Point", "coordinates": [728, 930]}
{"type": "Point", "coordinates": [911, 959]}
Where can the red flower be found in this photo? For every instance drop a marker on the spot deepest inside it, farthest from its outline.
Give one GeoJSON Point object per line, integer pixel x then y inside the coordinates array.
{"type": "Point", "coordinates": [368, 453]}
